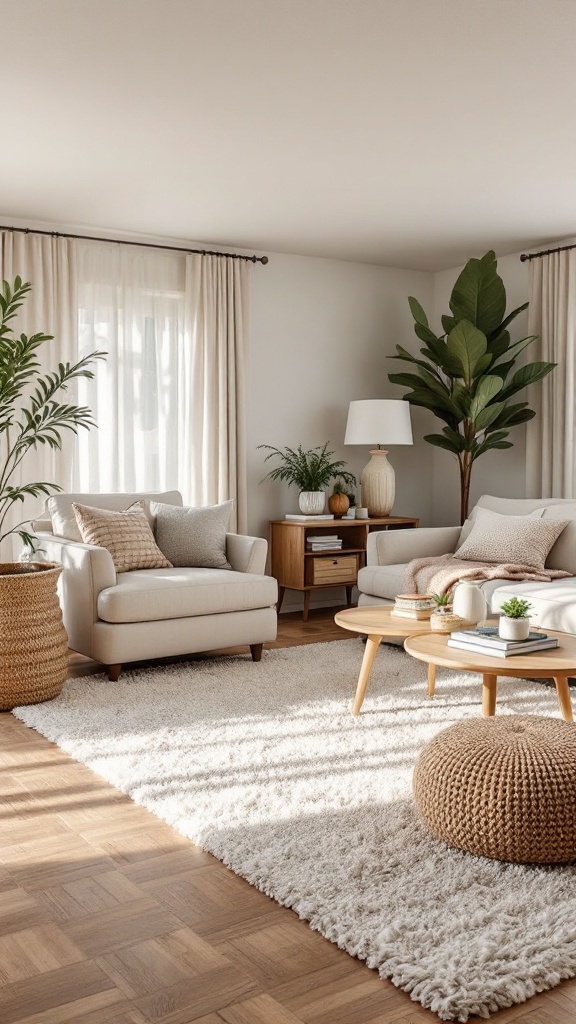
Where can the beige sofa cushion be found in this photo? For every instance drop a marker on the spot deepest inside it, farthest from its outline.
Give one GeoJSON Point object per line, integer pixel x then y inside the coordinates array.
{"type": "Point", "coordinates": [59, 507]}
{"type": "Point", "coordinates": [385, 581]}
{"type": "Point", "coordinates": [126, 535]}
{"type": "Point", "coordinates": [148, 595]}
{"type": "Point", "coordinates": [193, 537]}
{"type": "Point", "coordinates": [519, 540]}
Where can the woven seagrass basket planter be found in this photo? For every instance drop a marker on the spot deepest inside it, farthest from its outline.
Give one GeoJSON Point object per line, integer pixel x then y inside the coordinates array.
{"type": "Point", "coordinates": [33, 641]}
{"type": "Point", "coordinates": [502, 787]}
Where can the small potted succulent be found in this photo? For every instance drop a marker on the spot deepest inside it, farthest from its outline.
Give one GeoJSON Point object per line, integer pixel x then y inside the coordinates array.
{"type": "Point", "coordinates": [443, 620]}
{"type": "Point", "coordinates": [514, 623]}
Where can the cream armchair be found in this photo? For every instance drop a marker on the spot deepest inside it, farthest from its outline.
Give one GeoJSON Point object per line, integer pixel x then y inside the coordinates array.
{"type": "Point", "coordinates": [155, 613]}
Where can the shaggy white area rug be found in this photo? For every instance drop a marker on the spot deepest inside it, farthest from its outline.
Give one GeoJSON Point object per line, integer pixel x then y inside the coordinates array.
{"type": "Point", "coordinates": [264, 766]}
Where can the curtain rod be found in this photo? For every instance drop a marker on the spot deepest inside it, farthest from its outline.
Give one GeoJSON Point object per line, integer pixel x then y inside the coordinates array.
{"type": "Point", "coordinates": [145, 245]}
{"type": "Point", "coordinates": [545, 252]}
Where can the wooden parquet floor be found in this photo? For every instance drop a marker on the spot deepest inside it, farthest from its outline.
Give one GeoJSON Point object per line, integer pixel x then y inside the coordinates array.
{"type": "Point", "coordinates": [108, 916]}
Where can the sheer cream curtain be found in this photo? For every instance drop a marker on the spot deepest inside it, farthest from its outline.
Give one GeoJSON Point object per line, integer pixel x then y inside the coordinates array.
{"type": "Point", "coordinates": [169, 397]}
{"type": "Point", "coordinates": [49, 264]}
{"type": "Point", "coordinates": [551, 454]}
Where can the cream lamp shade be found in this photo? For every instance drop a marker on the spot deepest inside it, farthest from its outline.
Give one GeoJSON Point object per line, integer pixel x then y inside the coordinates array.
{"type": "Point", "coordinates": [378, 421]}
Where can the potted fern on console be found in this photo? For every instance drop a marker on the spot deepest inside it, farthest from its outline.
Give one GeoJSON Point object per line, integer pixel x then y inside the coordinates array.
{"type": "Point", "coordinates": [33, 641]}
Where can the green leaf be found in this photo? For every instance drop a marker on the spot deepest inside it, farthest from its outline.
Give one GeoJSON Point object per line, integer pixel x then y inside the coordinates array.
{"type": "Point", "coordinates": [458, 440]}
{"type": "Point", "coordinates": [513, 351]}
{"type": "Point", "coordinates": [440, 441]}
{"type": "Point", "coordinates": [487, 416]}
{"type": "Point", "coordinates": [487, 389]}
{"type": "Point", "coordinates": [466, 345]}
{"type": "Point", "coordinates": [479, 295]}
{"type": "Point", "coordinates": [424, 333]}
{"type": "Point", "coordinates": [448, 323]}
{"type": "Point", "coordinates": [511, 316]}
{"type": "Point", "coordinates": [531, 373]}
{"type": "Point", "coordinates": [417, 311]}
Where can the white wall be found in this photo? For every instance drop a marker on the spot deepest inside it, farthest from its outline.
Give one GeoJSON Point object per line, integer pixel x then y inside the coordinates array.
{"type": "Point", "coordinates": [497, 472]}
{"type": "Point", "coordinates": [321, 332]}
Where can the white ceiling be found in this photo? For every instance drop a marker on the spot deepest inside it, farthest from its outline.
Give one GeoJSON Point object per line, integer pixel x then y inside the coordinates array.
{"type": "Point", "coordinates": [412, 133]}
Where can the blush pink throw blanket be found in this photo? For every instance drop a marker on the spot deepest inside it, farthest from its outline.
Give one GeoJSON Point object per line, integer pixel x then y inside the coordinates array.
{"type": "Point", "coordinates": [437, 574]}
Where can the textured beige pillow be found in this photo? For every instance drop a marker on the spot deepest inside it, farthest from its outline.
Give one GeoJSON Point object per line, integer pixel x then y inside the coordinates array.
{"type": "Point", "coordinates": [126, 535]}
{"type": "Point", "coordinates": [193, 536]}
{"type": "Point", "coordinates": [510, 539]}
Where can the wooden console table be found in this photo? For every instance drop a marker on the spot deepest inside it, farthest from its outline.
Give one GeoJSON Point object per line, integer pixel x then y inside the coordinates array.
{"type": "Point", "coordinates": [297, 568]}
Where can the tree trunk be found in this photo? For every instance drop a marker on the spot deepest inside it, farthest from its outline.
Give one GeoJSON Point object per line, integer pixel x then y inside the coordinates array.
{"type": "Point", "coordinates": [465, 473]}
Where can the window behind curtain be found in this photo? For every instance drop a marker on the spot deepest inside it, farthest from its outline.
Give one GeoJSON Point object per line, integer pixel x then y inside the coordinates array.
{"type": "Point", "coordinates": [131, 305]}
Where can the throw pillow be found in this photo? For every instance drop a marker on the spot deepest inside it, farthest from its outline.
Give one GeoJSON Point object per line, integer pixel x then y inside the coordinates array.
{"type": "Point", "coordinates": [126, 535]}
{"type": "Point", "coordinates": [193, 536]}
{"type": "Point", "coordinates": [510, 539]}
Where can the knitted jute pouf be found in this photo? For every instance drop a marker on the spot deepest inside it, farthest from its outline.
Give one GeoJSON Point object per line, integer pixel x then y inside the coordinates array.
{"type": "Point", "coordinates": [502, 787]}
{"type": "Point", "coordinates": [33, 641]}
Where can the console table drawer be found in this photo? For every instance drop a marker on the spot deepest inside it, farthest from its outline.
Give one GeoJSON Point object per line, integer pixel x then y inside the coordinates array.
{"type": "Point", "coordinates": [333, 569]}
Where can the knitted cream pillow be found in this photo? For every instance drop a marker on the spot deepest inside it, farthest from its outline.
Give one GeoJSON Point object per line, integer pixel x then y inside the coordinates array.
{"type": "Point", "coordinates": [502, 539]}
{"type": "Point", "coordinates": [126, 535]}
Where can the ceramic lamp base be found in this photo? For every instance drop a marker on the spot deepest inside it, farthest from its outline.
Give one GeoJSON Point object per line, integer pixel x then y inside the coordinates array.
{"type": "Point", "coordinates": [378, 484]}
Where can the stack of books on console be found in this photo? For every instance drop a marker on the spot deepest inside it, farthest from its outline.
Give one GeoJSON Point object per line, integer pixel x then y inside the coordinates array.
{"type": "Point", "coordinates": [485, 640]}
{"type": "Point", "coordinates": [324, 542]}
{"type": "Point", "coordinates": [413, 606]}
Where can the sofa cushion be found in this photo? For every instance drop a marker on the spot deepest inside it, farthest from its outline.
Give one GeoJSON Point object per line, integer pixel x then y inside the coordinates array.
{"type": "Point", "coordinates": [59, 507]}
{"type": "Point", "coordinates": [553, 605]}
{"type": "Point", "coordinates": [193, 537]}
{"type": "Point", "coordinates": [126, 535]}
{"type": "Point", "coordinates": [510, 539]}
{"type": "Point", "coordinates": [382, 580]}
{"type": "Point", "coordinates": [152, 594]}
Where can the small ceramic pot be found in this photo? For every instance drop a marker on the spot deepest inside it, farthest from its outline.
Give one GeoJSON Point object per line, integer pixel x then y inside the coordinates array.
{"type": "Point", "coordinates": [311, 503]}
{"type": "Point", "coordinates": [513, 629]}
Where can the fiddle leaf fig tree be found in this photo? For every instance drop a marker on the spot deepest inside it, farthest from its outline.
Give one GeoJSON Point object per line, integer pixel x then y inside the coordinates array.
{"type": "Point", "coordinates": [467, 374]}
{"type": "Point", "coordinates": [31, 412]}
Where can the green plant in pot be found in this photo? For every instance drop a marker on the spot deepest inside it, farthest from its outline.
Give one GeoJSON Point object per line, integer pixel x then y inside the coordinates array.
{"type": "Point", "coordinates": [33, 642]}
{"type": "Point", "coordinates": [466, 375]}
{"type": "Point", "coordinates": [311, 471]}
{"type": "Point", "coordinates": [442, 619]}
{"type": "Point", "coordinates": [514, 623]}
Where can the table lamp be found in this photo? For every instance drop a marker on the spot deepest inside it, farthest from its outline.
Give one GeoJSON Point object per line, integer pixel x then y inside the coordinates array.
{"type": "Point", "coordinates": [378, 421]}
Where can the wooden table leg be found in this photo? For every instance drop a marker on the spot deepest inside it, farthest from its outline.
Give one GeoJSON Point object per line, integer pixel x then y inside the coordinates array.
{"type": "Point", "coordinates": [306, 606]}
{"type": "Point", "coordinates": [563, 691]}
{"type": "Point", "coordinates": [372, 645]}
{"type": "Point", "coordinates": [489, 690]}
{"type": "Point", "coordinates": [348, 597]}
{"type": "Point", "coordinates": [431, 680]}
{"type": "Point", "coordinates": [281, 592]}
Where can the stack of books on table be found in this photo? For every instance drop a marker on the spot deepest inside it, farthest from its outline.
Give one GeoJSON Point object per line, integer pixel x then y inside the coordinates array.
{"type": "Point", "coordinates": [413, 606]}
{"type": "Point", "coordinates": [485, 640]}
{"type": "Point", "coordinates": [324, 542]}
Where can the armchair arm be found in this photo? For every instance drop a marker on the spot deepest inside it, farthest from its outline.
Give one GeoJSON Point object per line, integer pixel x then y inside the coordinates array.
{"type": "Point", "coordinates": [87, 570]}
{"type": "Point", "coordinates": [246, 554]}
{"type": "Point", "coordinates": [394, 547]}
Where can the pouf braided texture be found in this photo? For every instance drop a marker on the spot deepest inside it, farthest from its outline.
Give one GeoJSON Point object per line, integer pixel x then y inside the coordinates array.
{"type": "Point", "coordinates": [502, 787]}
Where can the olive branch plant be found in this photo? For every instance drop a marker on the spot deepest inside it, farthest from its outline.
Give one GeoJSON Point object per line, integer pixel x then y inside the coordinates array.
{"type": "Point", "coordinates": [31, 413]}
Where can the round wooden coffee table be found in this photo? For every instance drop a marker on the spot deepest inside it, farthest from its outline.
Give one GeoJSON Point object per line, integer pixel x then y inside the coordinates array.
{"type": "Point", "coordinates": [376, 622]}
{"type": "Point", "coordinates": [557, 664]}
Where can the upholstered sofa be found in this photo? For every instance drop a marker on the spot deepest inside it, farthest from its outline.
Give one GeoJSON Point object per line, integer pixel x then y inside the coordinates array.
{"type": "Point", "coordinates": [553, 604]}
{"type": "Point", "coordinates": [151, 613]}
